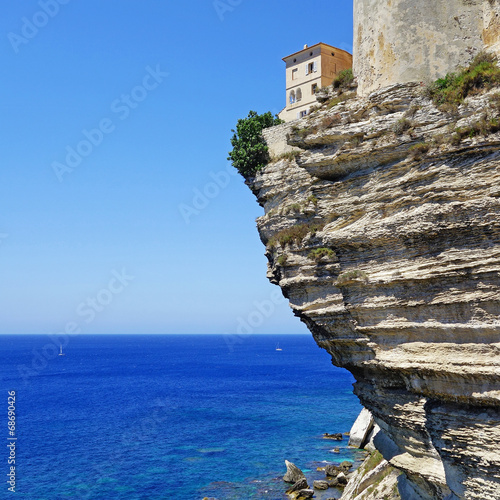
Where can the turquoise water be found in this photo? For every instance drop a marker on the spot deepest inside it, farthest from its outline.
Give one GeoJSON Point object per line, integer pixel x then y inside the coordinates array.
{"type": "Point", "coordinates": [136, 417]}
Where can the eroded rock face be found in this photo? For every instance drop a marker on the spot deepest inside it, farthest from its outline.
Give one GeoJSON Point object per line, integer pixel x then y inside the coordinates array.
{"type": "Point", "coordinates": [394, 266]}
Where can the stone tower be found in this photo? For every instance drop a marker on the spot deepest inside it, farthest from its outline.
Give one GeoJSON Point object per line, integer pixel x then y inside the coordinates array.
{"type": "Point", "coordinates": [397, 41]}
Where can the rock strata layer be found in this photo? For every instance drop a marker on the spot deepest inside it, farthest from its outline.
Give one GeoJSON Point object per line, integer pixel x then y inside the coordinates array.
{"type": "Point", "coordinates": [384, 234]}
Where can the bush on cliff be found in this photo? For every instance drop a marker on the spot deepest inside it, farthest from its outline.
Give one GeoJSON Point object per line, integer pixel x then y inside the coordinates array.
{"type": "Point", "coordinates": [250, 152]}
{"type": "Point", "coordinates": [344, 79]}
{"type": "Point", "coordinates": [482, 73]}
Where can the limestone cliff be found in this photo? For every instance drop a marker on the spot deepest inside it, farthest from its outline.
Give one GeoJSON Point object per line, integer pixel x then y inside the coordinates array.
{"type": "Point", "coordinates": [384, 234]}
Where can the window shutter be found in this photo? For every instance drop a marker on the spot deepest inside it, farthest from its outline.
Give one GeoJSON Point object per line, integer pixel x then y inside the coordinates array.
{"type": "Point", "coordinates": [298, 114]}
{"type": "Point", "coordinates": [307, 69]}
{"type": "Point", "coordinates": [315, 66]}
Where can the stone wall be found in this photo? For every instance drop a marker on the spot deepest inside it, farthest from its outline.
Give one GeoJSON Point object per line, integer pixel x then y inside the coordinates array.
{"type": "Point", "coordinates": [491, 32]}
{"type": "Point", "coordinates": [398, 41]}
{"type": "Point", "coordinates": [276, 139]}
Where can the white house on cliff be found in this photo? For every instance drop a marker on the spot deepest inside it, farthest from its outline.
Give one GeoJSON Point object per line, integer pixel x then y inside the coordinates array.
{"type": "Point", "coordinates": [308, 70]}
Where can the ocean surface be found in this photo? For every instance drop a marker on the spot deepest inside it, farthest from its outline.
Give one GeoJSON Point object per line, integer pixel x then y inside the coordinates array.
{"type": "Point", "coordinates": [170, 416]}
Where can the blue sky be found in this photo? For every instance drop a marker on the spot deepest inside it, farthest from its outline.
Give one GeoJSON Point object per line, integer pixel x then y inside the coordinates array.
{"type": "Point", "coordinates": [116, 120]}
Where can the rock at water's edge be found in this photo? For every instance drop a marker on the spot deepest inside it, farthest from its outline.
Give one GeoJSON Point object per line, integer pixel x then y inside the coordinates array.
{"type": "Point", "coordinates": [361, 429]}
{"type": "Point", "coordinates": [301, 484]}
{"type": "Point", "coordinates": [336, 437]}
{"type": "Point", "coordinates": [321, 485]}
{"type": "Point", "coordinates": [293, 473]}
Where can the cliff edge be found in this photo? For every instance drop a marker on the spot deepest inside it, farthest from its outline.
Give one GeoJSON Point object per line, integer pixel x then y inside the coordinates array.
{"type": "Point", "coordinates": [382, 228]}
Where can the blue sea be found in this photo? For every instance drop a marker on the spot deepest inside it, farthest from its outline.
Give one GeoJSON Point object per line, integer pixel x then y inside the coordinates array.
{"type": "Point", "coordinates": [170, 416]}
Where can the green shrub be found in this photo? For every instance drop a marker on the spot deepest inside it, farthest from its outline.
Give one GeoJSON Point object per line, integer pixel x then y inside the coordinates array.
{"type": "Point", "coordinates": [250, 152]}
{"type": "Point", "coordinates": [372, 461]}
{"type": "Point", "coordinates": [314, 228]}
{"type": "Point", "coordinates": [401, 126]}
{"type": "Point", "coordinates": [495, 100]}
{"type": "Point", "coordinates": [282, 259]}
{"type": "Point", "coordinates": [352, 275]}
{"type": "Point", "coordinates": [319, 253]}
{"type": "Point", "coordinates": [312, 199]}
{"type": "Point", "coordinates": [356, 140]}
{"type": "Point", "coordinates": [451, 108]}
{"type": "Point", "coordinates": [337, 100]}
{"type": "Point", "coordinates": [484, 126]}
{"type": "Point", "coordinates": [418, 149]}
{"type": "Point", "coordinates": [455, 138]}
{"type": "Point", "coordinates": [482, 73]}
{"type": "Point", "coordinates": [344, 79]}
{"type": "Point", "coordinates": [294, 234]}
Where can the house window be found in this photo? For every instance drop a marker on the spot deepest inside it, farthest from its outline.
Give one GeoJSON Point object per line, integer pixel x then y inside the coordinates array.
{"type": "Point", "coordinates": [299, 94]}
{"type": "Point", "coordinates": [314, 88]}
{"type": "Point", "coordinates": [292, 97]}
{"type": "Point", "coordinates": [303, 113]}
{"type": "Point", "coordinates": [311, 67]}
{"type": "Point", "coordinates": [295, 74]}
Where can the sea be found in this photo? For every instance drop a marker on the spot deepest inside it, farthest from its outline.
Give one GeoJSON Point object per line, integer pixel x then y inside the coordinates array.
{"type": "Point", "coordinates": [169, 416]}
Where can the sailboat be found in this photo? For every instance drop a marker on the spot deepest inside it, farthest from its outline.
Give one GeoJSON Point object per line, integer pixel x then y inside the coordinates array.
{"type": "Point", "coordinates": [60, 351]}
{"type": "Point", "coordinates": [278, 348]}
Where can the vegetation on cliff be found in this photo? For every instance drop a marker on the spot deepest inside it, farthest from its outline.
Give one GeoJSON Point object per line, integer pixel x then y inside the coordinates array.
{"type": "Point", "coordinates": [250, 152]}
{"type": "Point", "coordinates": [344, 79]}
{"type": "Point", "coordinates": [482, 73]}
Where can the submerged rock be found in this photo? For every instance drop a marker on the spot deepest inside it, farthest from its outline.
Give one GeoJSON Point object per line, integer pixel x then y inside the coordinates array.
{"type": "Point", "coordinates": [336, 437]}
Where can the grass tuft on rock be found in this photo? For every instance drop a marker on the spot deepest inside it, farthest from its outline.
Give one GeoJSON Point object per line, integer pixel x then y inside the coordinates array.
{"type": "Point", "coordinates": [353, 275]}
{"type": "Point", "coordinates": [321, 253]}
{"type": "Point", "coordinates": [482, 73]}
{"type": "Point", "coordinates": [344, 79]}
{"type": "Point", "coordinates": [294, 234]}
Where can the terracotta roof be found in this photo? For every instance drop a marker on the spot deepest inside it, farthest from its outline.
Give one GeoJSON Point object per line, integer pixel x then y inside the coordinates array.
{"type": "Point", "coordinates": [312, 47]}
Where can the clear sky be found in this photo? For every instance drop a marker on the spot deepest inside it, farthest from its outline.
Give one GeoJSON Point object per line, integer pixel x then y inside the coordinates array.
{"type": "Point", "coordinates": [118, 214]}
